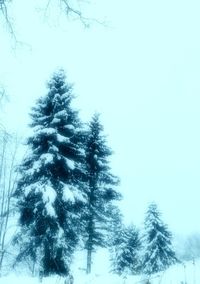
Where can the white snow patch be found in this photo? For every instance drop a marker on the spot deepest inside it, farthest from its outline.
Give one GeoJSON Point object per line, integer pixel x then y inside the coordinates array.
{"type": "Point", "coordinates": [50, 210]}
{"type": "Point", "coordinates": [27, 190]}
{"type": "Point", "coordinates": [54, 148]}
{"type": "Point", "coordinates": [55, 120]}
{"type": "Point", "coordinates": [68, 194]}
{"type": "Point", "coordinates": [36, 166]}
{"type": "Point", "coordinates": [35, 186]}
{"type": "Point", "coordinates": [47, 158]}
{"type": "Point", "coordinates": [62, 139]}
{"type": "Point", "coordinates": [70, 163]}
{"type": "Point", "coordinates": [79, 196]}
{"type": "Point", "coordinates": [69, 126]}
{"type": "Point", "coordinates": [82, 151]}
{"type": "Point", "coordinates": [48, 131]}
{"type": "Point", "coordinates": [49, 196]}
{"type": "Point", "coordinates": [61, 113]}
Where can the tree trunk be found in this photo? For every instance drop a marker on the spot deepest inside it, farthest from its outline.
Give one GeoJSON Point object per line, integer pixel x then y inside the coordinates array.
{"type": "Point", "coordinates": [89, 260]}
{"type": "Point", "coordinates": [90, 245]}
{"type": "Point", "coordinates": [90, 226]}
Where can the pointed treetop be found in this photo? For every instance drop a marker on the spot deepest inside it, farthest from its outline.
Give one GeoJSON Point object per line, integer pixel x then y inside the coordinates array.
{"type": "Point", "coordinates": [57, 82]}
{"type": "Point", "coordinates": [152, 213]}
{"type": "Point", "coordinates": [95, 123]}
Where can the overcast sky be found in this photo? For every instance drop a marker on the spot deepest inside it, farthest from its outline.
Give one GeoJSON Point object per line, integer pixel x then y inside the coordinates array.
{"type": "Point", "coordinates": [142, 73]}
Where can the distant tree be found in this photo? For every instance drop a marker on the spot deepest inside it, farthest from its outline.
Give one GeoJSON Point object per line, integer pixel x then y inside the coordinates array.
{"type": "Point", "coordinates": [101, 189]}
{"type": "Point", "coordinates": [8, 177]}
{"type": "Point", "coordinates": [2, 94]}
{"type": "Point", "coordinates": [50, 190]}
{"type": "Point", "coordinates": [115, 223]}
{"type": "Point", "coordinates": [188, 248]}
{"type": "Point", "coordinates": [158, 251]}
{"type": "Point", "coordinates": [125, 251]}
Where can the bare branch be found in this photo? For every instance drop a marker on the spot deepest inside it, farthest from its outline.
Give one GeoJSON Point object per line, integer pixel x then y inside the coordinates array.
{"type": "Point", "coordinates": [7, 186]}
{"type": "Point", "coordinates": [71, 8]}
{"type": "Point", "coordinates": [4, 12]}
{"type": "Point", "coordinates": [77, 13]}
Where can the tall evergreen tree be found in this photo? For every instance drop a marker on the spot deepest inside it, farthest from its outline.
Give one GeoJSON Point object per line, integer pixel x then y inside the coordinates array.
{"type": "Point", "coordinates": [158, 253]}
{"type": "Point", "coordinates": [101, 188]}
{"type": "Point", "coordinates": [125, 251]}
{"type": "Point", "coordinates": [50, 193]}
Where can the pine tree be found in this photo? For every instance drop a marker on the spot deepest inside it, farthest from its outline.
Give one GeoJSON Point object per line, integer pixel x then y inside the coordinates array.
{"type": "Point", "coordinates": [158, 253]}
{"type": "Point", "coordinates": [125, 251]}
{"type": "Point", "coordinates": [50, 192]}
{"type": "Point", "coordinates": [101, 188]}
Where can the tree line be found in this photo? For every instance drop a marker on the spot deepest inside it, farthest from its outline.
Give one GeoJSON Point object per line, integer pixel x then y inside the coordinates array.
{"type": "Point", "coordinates": [66, 188]}
{"type": "Point", "coordinates": [67, 197]}
{"type": "Point", "coordinates": [147, 251]}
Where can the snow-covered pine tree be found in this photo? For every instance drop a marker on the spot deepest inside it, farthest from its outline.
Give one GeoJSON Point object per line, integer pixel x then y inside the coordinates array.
{"type": "Point", "coordinates": [50, 192]}
{"type": "Point", "coordinates": [158, 250]}
{"type": "Point", "coordinates": [125, 251]}
{"type": "Point", "coordinates": [101, 188]}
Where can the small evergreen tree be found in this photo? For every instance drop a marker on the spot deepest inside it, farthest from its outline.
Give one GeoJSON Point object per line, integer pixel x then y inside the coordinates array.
{"type": "Point", "coordinates": [125, 251]}
{"type": "Point", "coordinates": [101, 189]}
{"type": "Point", "coordinates": [50, 192]}
{"type": "Point", "coordinates": [158, 252]}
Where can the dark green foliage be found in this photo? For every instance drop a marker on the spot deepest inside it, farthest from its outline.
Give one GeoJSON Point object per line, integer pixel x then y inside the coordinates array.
{"type": "Point", "coordinates": [125, 251]}
{"type": "Point", "coordinates": [50, 189]}
{"type": "Point", "coordinates": [101, 188]}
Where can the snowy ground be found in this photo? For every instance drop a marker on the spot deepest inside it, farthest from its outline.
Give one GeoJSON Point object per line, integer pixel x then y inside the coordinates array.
{"type": "Point", "coordinates": [189, 273]}
{"type": "Point", "coordinates": [178, 274]}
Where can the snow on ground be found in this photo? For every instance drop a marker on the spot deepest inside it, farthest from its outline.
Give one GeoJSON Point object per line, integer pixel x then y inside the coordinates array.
{"type": "Point", "coordinates": [177, 274]}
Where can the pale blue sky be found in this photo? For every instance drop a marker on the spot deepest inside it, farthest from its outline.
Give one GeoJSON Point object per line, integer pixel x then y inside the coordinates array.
{"type": "Point", "coordinates": [142, 72]}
